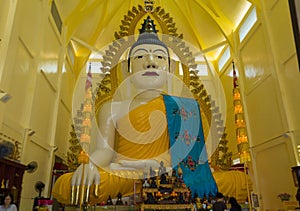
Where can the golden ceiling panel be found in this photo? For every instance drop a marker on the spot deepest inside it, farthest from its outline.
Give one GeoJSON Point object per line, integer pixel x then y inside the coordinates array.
{"type": "Point", "coordinates": [204, 23]}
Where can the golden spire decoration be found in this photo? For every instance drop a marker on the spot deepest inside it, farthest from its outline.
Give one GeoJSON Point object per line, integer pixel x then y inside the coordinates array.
{"type": "Point", "coordinates": [241, 132]}
{"type": "Point", "coordinates": [87, 112]}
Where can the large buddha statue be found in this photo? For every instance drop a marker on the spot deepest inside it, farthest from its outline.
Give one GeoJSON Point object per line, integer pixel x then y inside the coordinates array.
{"type": "Point", "coordinates": [142, 131]}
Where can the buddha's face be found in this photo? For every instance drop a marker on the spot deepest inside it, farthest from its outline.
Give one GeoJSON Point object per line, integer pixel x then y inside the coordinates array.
{"type": "Point", "coordinates": [149, 64]}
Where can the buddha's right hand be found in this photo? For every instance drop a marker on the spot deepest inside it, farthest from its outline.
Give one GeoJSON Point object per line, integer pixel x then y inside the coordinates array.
{"type": "Point", "coordinates": [82, 179]}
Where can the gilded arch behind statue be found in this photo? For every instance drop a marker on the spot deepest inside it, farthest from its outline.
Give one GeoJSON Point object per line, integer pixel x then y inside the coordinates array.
{"type": "Point", "coordinates": [211, 116]}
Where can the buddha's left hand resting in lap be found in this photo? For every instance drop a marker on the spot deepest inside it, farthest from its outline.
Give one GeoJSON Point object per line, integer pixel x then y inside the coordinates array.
{"type": "Point", "coordinates": [137, 134]}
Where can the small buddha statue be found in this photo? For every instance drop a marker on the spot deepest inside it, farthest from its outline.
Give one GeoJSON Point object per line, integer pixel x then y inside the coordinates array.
{"type": "Point", "coordinates": [146, 183]}
{"type": "Point", "coordinates": [152, 172]}
{"type": "Point", "coordinates": [109, 201]}
{"type": "Point", "coordinates": [119, 199]}
{"type": "Point", "coordinates": [162, 168]}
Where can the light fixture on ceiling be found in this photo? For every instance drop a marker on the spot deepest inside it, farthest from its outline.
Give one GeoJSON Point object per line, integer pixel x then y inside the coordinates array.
{"type": "Point", "coordinates": [4, 96]}
{"type": "Point", "coordinates": [31, 132]}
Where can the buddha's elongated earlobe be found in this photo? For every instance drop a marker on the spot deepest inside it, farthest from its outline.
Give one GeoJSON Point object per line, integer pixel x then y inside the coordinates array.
{"type": "Point", "coordinates": [128, 85]}
{"type": "Point", "coordinates": [124, 69]}
{"type": "Point", "coordinates": [126, 76]}
{"type": "Point", "coordinates": [170, 83]}
{"type": "Point", "coordinates": [128, 64]}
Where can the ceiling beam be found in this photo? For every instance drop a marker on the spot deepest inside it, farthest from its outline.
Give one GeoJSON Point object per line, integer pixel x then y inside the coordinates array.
{"type": "Point", "coordinates": [87, 45]}
{"type": "Point", "coordinates": [213, 47]}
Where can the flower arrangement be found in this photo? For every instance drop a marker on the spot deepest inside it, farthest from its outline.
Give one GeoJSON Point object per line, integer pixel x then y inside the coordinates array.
{"type": "Point", "coordinates": [284, 196]}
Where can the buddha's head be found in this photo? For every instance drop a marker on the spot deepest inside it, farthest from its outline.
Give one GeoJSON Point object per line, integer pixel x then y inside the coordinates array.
{"type": "Point", "coordinates": [149, 59]}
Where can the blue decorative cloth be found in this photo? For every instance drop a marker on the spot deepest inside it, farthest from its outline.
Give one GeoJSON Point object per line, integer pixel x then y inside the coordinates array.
{"type": "Point", "coordinates": [188, 146]}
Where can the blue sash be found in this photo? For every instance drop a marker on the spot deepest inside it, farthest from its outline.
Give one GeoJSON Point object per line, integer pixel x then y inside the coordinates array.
{"type": "Point", "coordinates": [187, 145]}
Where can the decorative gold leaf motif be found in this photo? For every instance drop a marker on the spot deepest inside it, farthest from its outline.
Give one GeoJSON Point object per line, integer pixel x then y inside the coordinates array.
{"type": "Point", "coordinates": [75, 149]}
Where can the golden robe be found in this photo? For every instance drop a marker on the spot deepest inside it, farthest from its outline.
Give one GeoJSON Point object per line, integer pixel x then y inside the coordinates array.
{"type": "Point", "coordinates": [113, 182]}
